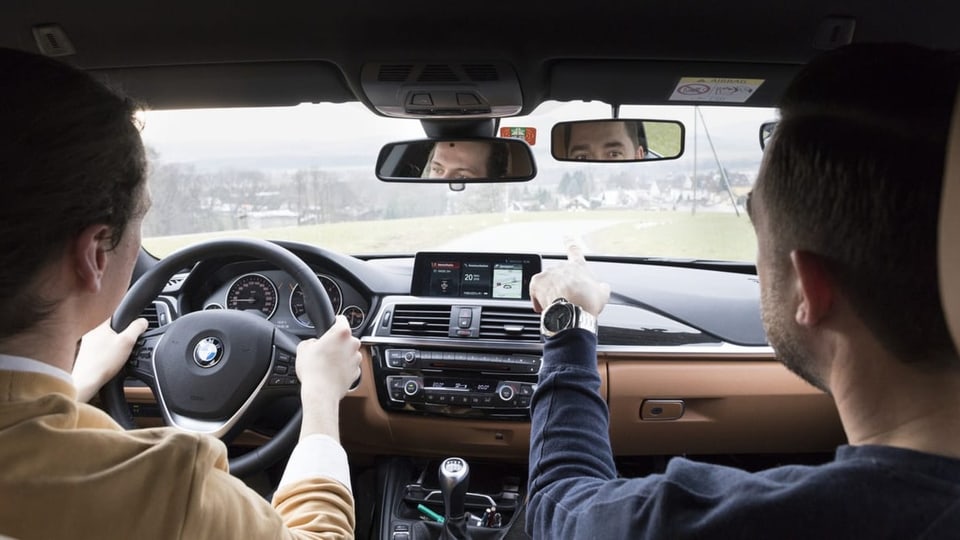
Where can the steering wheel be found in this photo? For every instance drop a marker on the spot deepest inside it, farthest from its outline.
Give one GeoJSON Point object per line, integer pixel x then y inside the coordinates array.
{"type": "Point", "coordinates": [213, 370]}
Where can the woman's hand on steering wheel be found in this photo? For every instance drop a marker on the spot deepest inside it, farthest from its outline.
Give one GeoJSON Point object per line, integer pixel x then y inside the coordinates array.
{"type": "Point", "coordinates": [328, 365]}
{"type": "Point", "coordinates": [102, 354]}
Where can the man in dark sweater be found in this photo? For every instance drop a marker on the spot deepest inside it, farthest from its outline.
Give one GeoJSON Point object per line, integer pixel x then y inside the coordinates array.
{"type": "Point", "coordinates": [845, 210]}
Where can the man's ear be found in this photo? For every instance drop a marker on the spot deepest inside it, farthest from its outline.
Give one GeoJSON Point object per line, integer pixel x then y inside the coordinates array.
{"type": "Point", "coordinates": [89, 259]}
{"type": "Point", "coordinates": [815, 287]}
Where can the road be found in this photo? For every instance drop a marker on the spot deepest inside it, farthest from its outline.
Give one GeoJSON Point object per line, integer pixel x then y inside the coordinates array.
{"type": "Point", "coordinates": [540, 237]}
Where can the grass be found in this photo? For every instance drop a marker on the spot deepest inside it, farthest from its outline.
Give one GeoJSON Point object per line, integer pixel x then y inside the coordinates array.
{"type": "Point", "coordinates": [659, 234]}
{"type": "Point", "coordinates": [680, 234]}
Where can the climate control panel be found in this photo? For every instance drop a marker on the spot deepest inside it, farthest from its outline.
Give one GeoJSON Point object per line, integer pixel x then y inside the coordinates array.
{"type": "Point", "coordinates": [474, 393]}
{"type": "Point", "coordinates": [428, 381]}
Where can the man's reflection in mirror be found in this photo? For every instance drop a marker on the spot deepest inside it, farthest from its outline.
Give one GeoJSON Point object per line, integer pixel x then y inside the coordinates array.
{"type": "Point", "coordinates": [606, 141]}
{"type": "Point", "coordinates": [467, 159]}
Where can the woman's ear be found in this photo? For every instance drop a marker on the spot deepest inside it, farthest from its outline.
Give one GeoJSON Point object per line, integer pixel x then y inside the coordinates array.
{"type": "Point", "coordinates": [816, 287]}
{"type": "Point", "coordinates": [89, 256]}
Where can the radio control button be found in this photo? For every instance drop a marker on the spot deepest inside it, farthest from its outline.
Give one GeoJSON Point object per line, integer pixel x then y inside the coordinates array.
{"type": "Point", "coordinates": [409, 357]}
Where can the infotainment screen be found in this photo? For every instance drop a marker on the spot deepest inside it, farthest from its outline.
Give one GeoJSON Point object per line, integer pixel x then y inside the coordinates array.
{"type": "Point", "coordinates": [474, 275]}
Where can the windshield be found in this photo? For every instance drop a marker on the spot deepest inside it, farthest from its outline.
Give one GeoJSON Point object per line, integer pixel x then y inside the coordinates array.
{"type": "Point", "coordinates": [306, 174]}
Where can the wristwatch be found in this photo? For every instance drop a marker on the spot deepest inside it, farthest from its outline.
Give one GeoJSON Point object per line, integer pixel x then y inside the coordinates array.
{"type": "Point", "coordinates": [562, 315]}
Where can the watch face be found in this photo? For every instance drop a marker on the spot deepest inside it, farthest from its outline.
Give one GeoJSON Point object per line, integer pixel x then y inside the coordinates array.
{"type": "Point", "coordinates": [558, 317]}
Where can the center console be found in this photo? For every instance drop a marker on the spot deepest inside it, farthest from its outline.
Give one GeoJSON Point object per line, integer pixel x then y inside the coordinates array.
{"type": "Point", "coordinates": [466, 343]}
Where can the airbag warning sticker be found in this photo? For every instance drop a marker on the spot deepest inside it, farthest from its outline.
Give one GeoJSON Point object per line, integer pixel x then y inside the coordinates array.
{"type": "Point", "coordinates": [710, 89]}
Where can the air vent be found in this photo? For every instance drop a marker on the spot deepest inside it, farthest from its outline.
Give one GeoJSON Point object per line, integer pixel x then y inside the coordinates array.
{"type": "Point", "coordinates": [481, 72]}
{"type": "Point", "coordinates": [157, 314]}
{"type": "Point", "coordinates": [437, 73]}
{"type": "Point", "coordinates": [394, 72]}
{"type": "Point", "coordinates": [515, 324]}
{"type": "Point", "coordinates": [428, 321]}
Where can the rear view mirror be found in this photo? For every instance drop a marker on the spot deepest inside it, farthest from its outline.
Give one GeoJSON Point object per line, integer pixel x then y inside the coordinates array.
{"type": "Point", "coordinates": [766, 131]}
{"type": "Point", "coordinates": [460, 161]}
{"type": "Point", "coordinates": [617, 140]}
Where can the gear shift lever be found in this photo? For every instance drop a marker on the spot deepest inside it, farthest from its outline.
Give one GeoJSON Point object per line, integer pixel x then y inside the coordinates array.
{"type": "Point", "coordinates": [454, 477]}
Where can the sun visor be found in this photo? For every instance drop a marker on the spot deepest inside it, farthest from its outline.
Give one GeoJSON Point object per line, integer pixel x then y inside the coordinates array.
{"type": "Point", "coordinates": [643, 82]}
{"type": "Point", "coordinates": [260, 84]}
{"type": "Point", "coordinates": [442, 90]}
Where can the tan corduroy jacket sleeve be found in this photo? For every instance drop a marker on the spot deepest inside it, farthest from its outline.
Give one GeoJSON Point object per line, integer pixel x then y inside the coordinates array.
{"type": "Point", "coordinates": [69, 471]}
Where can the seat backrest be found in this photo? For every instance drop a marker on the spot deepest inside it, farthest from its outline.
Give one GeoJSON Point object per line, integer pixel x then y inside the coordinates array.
{"type": "Point", "coordinates": [949, 237]}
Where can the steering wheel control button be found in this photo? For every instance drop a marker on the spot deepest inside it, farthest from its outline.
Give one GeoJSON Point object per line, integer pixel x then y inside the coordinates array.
{"type": "Point", "coordinates": [662, 409]}
{"type": "Point", "coordinates": [280, 369]}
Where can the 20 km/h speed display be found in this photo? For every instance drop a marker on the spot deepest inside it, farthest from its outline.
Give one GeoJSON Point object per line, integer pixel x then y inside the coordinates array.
{"type": "Point", "coordinates": [253, 292]}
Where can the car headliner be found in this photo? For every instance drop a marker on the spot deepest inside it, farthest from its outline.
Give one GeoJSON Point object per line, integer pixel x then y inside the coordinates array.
{"type": "Point", "coordinates": [174, 54]}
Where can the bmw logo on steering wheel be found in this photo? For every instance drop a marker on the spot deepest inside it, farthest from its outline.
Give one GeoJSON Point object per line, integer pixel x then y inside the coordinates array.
{"type": "Point", "coordinates": [208, 352]}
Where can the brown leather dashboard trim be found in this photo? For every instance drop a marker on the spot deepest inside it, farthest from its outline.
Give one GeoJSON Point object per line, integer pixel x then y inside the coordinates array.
{"type": "Point", "coordinates": [734, 405]}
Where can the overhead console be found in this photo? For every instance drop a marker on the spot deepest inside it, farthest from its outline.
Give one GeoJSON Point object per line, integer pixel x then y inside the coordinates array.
{"type": "Point", "coordinates": [466, 343]}
{"type": "Point", "coordinates": [442, 90]}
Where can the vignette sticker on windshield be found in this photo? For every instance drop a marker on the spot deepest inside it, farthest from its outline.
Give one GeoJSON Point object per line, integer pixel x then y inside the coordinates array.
{"type": "Point", "coordinates": [715, 90]}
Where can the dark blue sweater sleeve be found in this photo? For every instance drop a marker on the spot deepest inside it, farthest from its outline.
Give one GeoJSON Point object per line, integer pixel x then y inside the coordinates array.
{"type": "Point", "coordinates": [574, 491]}
{"type": "Point", "coordinates": [570, 455]}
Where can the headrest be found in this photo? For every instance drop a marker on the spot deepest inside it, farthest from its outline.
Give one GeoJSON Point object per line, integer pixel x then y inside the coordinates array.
{"type": "Point", "coordinates": [949, 236]}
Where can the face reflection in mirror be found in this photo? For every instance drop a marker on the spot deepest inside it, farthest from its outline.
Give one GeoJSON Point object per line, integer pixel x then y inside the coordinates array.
{"type": "Point", "coordinates": [464, 161]}
{"type": "Point", "coordinates": [456, 160]}
{"type": "Point", "coordinates": [604, 141]}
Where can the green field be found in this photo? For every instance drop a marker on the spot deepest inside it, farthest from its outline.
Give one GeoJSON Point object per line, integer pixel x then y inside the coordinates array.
{"type": "Point", "coordinates": [657, 234]}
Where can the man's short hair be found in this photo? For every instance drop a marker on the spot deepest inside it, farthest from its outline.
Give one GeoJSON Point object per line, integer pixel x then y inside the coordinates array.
{"type": "Point", "coordinates": [854, 174]}
{"type": "Point", "coordinates": [70, 157]}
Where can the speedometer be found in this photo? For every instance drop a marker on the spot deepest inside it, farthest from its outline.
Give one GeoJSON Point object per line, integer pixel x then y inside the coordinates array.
{"type": "Point", "coordinates": [253, 292]}
{"type": "Point", "coordinates": [300, 311]}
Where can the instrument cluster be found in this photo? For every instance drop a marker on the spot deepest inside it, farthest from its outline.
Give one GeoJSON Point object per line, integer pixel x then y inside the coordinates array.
{"type": "Point", "coordinates": [274, 295]}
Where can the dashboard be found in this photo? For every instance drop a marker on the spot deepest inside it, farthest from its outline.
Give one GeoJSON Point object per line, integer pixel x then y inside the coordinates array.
{"type": "Point", "coordinates": [449, 369]}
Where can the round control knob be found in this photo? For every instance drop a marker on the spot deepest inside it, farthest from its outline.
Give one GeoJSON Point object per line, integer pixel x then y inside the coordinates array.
{"type": "Point", "coordinates": [506, 392]}
{"type": "Point", "coordinates": [409, 357]}
{"type": "Point", "coordinates": [411, 387]}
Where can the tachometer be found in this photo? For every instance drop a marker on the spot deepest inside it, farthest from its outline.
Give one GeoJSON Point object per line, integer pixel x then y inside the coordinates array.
{"type": "Point", "coordinates": [253, 292]}
{"type": "Point", "coordinates": [296, 300]}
